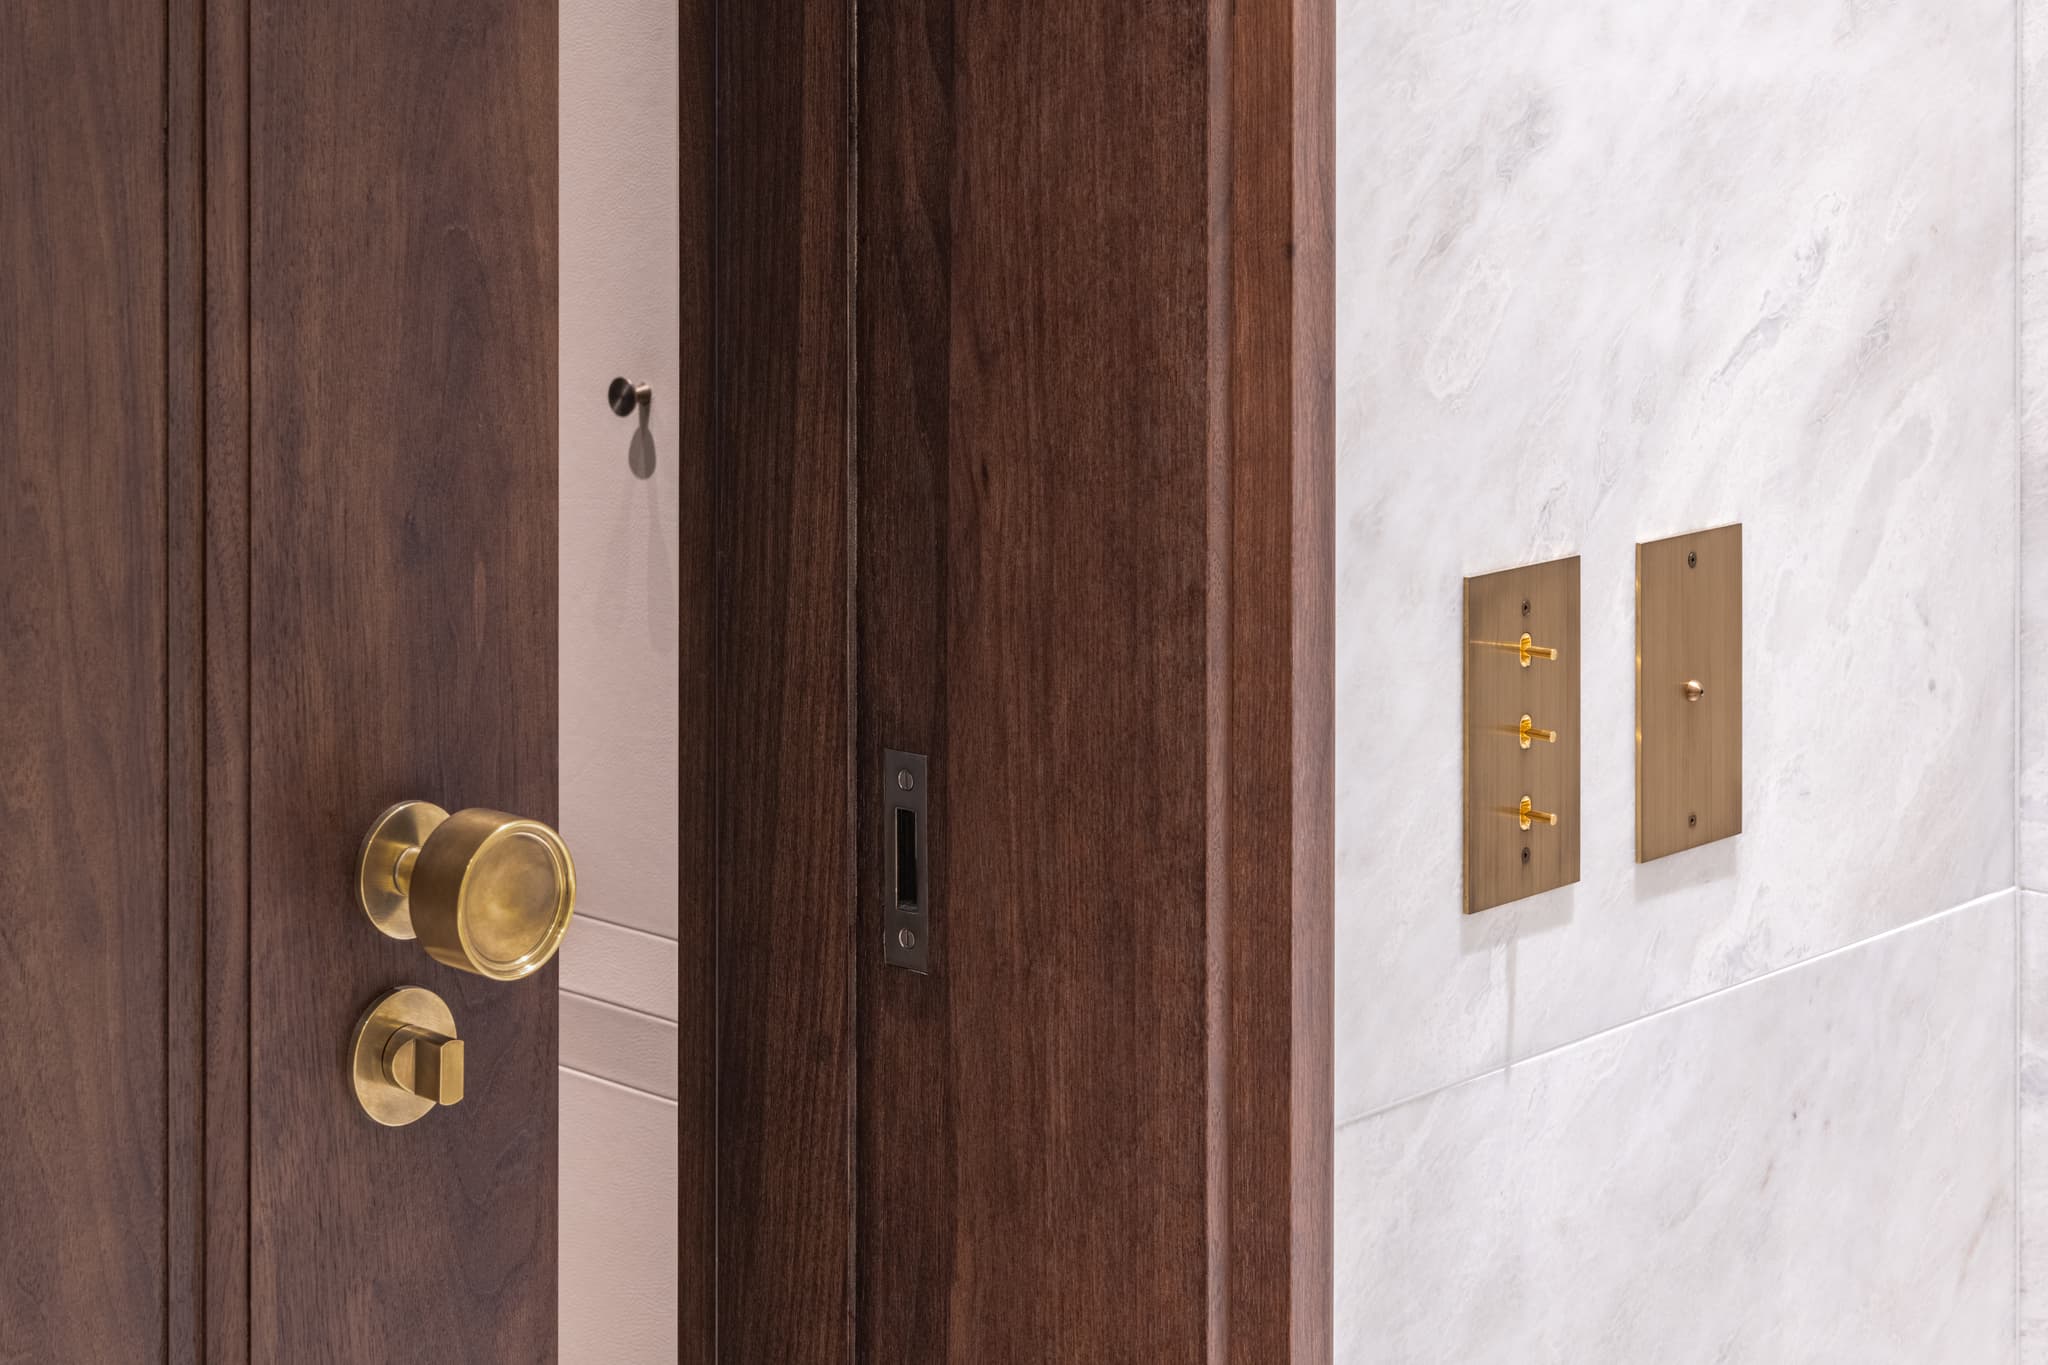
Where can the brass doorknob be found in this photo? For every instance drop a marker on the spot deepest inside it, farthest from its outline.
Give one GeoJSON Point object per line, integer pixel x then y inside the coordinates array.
{"type": "Point", "coordinates": [481, 890]}
{"type": "Point", "coordinates": [405, 1058]}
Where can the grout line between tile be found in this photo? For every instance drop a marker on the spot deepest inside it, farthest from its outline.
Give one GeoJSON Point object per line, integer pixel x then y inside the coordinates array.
{"type": "Point", "coordinates": [628, 1009]}
{"type": "Point", "coordinates": [618, 1085]}
{"type": "Point", "coordinates": [631, 929]}
{"type": "Point", "coordinates": [1895, 931]}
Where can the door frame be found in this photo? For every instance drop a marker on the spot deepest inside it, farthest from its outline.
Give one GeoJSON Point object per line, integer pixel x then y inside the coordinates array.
{"type": "Point", "coordinates": [768, 1193]}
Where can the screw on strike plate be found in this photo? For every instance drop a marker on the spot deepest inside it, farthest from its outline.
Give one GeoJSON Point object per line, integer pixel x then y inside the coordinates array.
{"type": "Point", "coordinates": [1525, 855]}
{"type": "Point", "coordinates": [1692, 559]}
{"type": "Point", "coordinates": [1525, 606]}
{"type": "Point", "coordinates": [1692, 819]}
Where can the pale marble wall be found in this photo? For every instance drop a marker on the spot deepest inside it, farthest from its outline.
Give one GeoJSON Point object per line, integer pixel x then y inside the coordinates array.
{"type": "Point", "coordinates": [2033, 785]}
{"type": "Point", "coordinates": [2033, 407]}
{"type": "Point", "coordinates": [2033, 1123]}
{"type": "Point", "coordinates": [1608, 272]}
{"type": "Point", "coordinates": [1815, 1166]}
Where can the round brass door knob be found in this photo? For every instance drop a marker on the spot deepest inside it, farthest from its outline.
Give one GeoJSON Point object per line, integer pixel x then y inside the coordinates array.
{"type": "Point", "coordinates": [481, 890]}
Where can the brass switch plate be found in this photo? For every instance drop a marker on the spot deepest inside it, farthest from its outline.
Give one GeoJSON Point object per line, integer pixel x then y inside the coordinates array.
{"type": "Point", "coordinates": [1504, 682]}
{"type": "Point", "coordinates": [1688, 691]}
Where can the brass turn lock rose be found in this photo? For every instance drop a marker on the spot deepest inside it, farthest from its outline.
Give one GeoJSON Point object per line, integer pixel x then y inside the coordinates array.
{"type": "Point", "coordinates": [405, 1058]}
{"type": "Point", "coordinates": [481, 890]}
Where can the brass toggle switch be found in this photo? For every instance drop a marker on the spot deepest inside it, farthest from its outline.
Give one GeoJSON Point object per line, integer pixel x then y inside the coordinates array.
{"type": "Point", "coordinates": [1527, 731]}
{"type": "Point", "coordinates": [1525, 648]}
{"type": "Point", "coordinates": [406, 1058]}
{"type": "Point", "coordinates": [1527, 812]}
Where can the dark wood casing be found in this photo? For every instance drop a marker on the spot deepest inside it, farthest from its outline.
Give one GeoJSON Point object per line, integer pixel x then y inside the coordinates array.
{"type": "Point", "coordinates": [1024, 453]}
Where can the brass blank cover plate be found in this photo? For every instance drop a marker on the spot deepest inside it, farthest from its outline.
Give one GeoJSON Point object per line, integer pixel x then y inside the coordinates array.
{"type": "Point", "coordinates": [1688, 641]}
{"type": "Point", "coordinates": [1504, 862]}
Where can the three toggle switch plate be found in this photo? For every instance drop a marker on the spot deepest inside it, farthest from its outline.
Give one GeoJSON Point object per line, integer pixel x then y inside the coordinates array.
{"type": "Point", "coordinates": [1522, 733]}
{"type": "Point", "coordinates": [1521, 681]}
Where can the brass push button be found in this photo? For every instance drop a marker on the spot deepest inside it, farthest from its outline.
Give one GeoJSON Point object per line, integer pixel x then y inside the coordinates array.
{"type": "Point", "coordinates": [405, 1058]}
{"type": "Point", "coordinates": [481, 890]}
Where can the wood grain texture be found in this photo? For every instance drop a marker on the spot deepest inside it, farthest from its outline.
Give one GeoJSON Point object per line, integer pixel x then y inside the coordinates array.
{"type": "Point", "coordinates": [697, 734]}
{"type": "Point", "coordinates": [1281, 749]}
{"type": "Point", "coordinates": [904, 1244]}
{"type": "Point", "coordinates": [1095, 441]}
{"type": "Point", "coordinates": [1035, 557]}
{"type": "Point", "coordinates": [785, 852]}
{"type": "Point", "coordinates": [84, 540]}
{"type": "Point", "coordinates": [402, 530]}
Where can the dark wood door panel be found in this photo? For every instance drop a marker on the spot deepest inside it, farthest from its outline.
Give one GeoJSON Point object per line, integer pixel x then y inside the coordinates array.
{"type": "Point", "coordinates": [1035, 508]}
{"type": "Point", "coordinates": [1086, 453]}
{"type": "Point", "coordinates": [402, 523]}
{"type": "Point", "coordinates": [1093, 425]}
{"type": "Point", "coordinates": [784, 837]}
{"type": "Point", "coordinates": [83, 877]}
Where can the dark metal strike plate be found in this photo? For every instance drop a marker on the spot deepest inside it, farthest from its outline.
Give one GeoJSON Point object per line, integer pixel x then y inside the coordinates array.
{"type": "Point", "coordinates": [906, 863]}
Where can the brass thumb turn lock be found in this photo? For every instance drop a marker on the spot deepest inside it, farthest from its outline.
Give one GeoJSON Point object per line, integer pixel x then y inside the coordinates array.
{"type": "Point", "coordinates": [406, 1058]}
{"type": "Point", "coordinates": [481, 890]}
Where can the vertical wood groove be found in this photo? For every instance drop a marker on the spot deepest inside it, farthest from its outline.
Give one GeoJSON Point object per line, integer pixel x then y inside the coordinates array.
{"type": "Point", "coordinates": [1221, 982]}
{"type": "Point", "coordinates": [185, 683]}
{"type": "Point", "coordinates": [698, 730]}
{"type": "Point", "coordinates": [224, 980]}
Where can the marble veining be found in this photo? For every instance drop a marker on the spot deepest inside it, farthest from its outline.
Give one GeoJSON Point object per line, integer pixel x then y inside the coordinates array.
{"type": "Point", "coordinates": [2032, 1308]}
{"type": "Point", "coordinates": [1815, 1166]}
{"type": "Point", "coordinates": [2033, 408]}
{"type": "Point", "coordinates": [1626, 268]}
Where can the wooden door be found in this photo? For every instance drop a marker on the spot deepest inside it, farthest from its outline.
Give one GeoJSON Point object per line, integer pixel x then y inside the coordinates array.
{"type": "Point", "coordinates": [277, 356]}
{"type": "Point", "coordinates": [86, 869]}
{"type": "Point", "coordinates": [402, 518]}
{"type": "Point", "coordinates": [1025, 450]}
